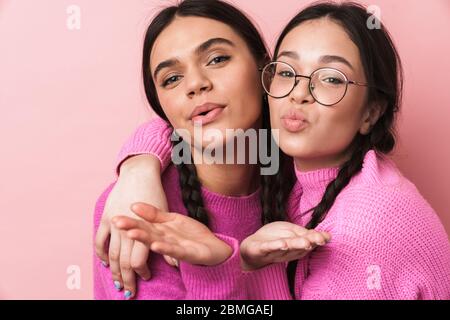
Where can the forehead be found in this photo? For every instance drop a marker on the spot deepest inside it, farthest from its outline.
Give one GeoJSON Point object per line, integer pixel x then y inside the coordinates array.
{"type": "Point", "coordinates": [315, 38]}
{"type": "Point", "coordinates": [185, 34]}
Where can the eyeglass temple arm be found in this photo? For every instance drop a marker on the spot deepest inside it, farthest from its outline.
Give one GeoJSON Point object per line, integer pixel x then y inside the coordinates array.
{"type": "Point", "coordinates": [358, 83]}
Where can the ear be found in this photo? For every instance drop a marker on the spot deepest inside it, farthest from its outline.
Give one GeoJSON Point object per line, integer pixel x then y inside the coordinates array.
{"type": "Point", "coordinates": [371, 115]}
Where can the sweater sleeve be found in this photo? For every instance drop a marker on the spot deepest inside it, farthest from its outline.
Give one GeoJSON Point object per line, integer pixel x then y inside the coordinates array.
{"type": "Point", "coordinates": [152, 137]}
{"type": "Point", "coordinates": [224, 281]}
{"type": "Point", "coordinates": [100, 273]}
{"type": "Point", "coordinates": [268, 283]}
{"type": "Point", "coordinates": [385, 245]}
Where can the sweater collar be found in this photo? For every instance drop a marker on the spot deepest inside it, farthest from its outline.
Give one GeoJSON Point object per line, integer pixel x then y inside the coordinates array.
{"type": "Point", "coordinates": [316, 181]}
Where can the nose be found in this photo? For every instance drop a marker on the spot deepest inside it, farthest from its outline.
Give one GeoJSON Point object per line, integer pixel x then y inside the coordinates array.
{"type": "Point", "coordinates": [197, 82]}
{"type": "Point", "coordinates": [301, 93]}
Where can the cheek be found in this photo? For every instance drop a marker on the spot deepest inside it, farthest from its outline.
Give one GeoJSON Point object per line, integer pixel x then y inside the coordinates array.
{"type": "Point", "coordinates": [331, 130]}
{"type": "Point", "coordinates": [242, 89]}
{"type": "Point", "coordinates": [336, 128]}
{"type": "Point", "coordinates": [172, 108]}
{"type": "Point", "coordinates": [275, 107]}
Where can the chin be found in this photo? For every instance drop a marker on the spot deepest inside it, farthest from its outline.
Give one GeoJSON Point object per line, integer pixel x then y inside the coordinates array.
{"type": "Point", "coordinates": [295, 146]}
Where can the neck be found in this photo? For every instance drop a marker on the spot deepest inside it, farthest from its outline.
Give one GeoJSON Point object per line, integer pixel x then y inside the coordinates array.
{"type": "Point", "coordinates": [229, 179]}
{"type": "Point", "coordinates": [305, 164]}
{"type": "Point", "coordinates": [226, 176]}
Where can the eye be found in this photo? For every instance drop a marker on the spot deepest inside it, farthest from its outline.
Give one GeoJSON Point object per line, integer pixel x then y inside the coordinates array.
{"type": "Point", "coordinates": [286, 74]}
{"type": "Point", "coordinates": [170, 80]}
{"type": "Point", "coordinates": [332, 80]}
{"type": "Point", "coordinates": [218, 60]}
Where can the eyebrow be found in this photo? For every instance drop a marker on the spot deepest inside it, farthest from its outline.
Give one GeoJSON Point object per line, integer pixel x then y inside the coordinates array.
{"type": "Point", "coordinates": [165, 64]}
{"type": "Point", "coordinates": [199, 50]}
{"type": "Point", "coordinates": [332, 58]}
{"type": "Point", "coordinates": [214, 41]}
{"type": "Point", "coordinates": [322, 59]}
{"type": "Point", "coordinates": [289, 54]}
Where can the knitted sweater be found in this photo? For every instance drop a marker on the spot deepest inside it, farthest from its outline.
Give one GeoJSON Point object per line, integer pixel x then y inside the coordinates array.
{"type": "Point", "coordinates": [387, 242]}
{"type": "Point", "coordinates": [232, 219]}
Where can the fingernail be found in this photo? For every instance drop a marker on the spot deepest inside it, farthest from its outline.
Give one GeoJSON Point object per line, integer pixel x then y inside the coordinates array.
{"type": "Point", "coordinates": [105, 264]}
{"type": "Point", "coordinates": [128, 294]}
{"type": "Point", "coordinates": [118, 285]}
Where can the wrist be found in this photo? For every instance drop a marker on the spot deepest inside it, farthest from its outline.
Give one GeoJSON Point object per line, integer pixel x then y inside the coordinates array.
{"type": "Point", "coordinates": [141, 164]}
{"type": "Point", "coordinates": [245, 265]}
{"type": "Point", "coordinates": [225, 252]}
{"type": "Point", "coordinates": [249, 263]}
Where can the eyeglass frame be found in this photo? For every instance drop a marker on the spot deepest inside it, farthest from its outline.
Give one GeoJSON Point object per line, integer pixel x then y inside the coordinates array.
{"type": "Point", "coordinates": [296, 82]}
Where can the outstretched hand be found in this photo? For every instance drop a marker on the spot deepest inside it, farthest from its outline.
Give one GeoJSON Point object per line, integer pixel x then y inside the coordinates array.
{"type": "Point", "coordinates": [279, 242]}
{"type": "Point", "coordinates": [174, 235]}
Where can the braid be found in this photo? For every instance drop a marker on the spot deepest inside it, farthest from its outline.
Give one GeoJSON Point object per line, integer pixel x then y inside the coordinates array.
{"type": "Point", "coordinates": [285, 182]}
{"type": "Point", "coordinates": [361, 145]}
{"type": "Point", "coordinates": [191, 191]}
{"type": "Point", "coordinates": [346, 172]}
{"type": "Point", "coordinates": [275, 189]}
{"type": "Point", "coordinates": [266, 182]}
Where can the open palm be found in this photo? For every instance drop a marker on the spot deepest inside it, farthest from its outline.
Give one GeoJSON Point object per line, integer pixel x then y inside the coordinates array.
{"type": "Point", "coordinates": [174, 235]}
{"type": "Point", "coordinates": [279, 242]}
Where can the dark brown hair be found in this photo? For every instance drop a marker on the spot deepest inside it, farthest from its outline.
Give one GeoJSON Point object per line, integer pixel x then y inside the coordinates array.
{"type": "Point", "coordinates": [274, 188]}
{"type": "Point", "coordinates": [383, 70]}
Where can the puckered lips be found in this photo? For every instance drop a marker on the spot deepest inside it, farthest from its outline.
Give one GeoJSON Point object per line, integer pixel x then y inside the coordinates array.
{"type": "Point", "coordinates": [207, 113]}
{"type": "Point", "coordinates": [294, 121]}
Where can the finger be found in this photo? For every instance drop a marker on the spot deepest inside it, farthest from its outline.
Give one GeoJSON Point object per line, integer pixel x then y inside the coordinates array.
{"type": "Point", "coordinates": [125, 223]}
{"type": "Point", "coordinates": [151, 213]}
{"type": "Point", "coordinates": [114, 258]}
{"type": "Point", "coordinates": [274, 245]}
{"type": "Point", "coordinates": [127, 273]}
{"type": "Point", "coordinates": [315, 237]}
{"type": "Point", "coordinates": [300, 243]}
{"type": "Point", "coordinates": [101, 239]}
{"type": "Point", "coordinates": [171, 261]}
{"type": "Point", "coordinates": [139, 260]}
{"type": "Point", "coordinates": [141, 236]}
{"type": "Point", "coordinates": [326, 235]}
{"type": "Point", "coordinates": [148, 229]}
{"type": "Point", "coordinates": [299, 231]}
{"type": "Point", "coordinates": [169, 249]}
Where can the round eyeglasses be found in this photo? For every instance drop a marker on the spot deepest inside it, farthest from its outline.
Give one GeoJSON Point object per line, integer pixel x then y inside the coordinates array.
{"type": "Point", "coordinates": [327, 86]}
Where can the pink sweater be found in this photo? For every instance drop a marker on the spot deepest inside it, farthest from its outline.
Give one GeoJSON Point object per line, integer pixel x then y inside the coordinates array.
{"type": "Point", "coordinates": [387, 242]}
{"type": "Point", "coordinates": [232, 219]}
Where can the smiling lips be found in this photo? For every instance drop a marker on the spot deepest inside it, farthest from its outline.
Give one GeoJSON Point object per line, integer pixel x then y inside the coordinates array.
{"type": "Point", "coordinates": [294, 121]}
{"type": "Point", "coordinates": [206, 113]}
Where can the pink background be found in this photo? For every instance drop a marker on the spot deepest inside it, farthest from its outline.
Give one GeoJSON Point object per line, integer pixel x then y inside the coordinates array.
{"type": "Point", "coordinates": [69, 98]}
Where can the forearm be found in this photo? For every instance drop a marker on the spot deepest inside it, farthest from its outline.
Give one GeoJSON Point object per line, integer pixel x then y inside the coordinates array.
{"type": "Point", "coordinates": [144, 172]}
